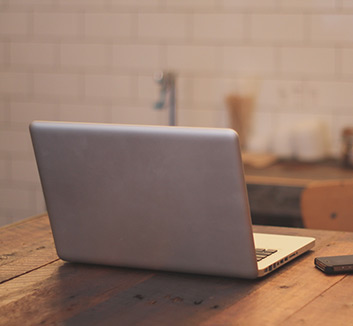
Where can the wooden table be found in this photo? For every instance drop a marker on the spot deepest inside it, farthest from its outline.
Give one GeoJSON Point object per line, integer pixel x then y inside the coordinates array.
{"type": "Point", "coordinates": [37, 288]}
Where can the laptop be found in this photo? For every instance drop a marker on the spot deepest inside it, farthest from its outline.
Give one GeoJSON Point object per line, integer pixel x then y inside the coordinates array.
{"type": "Point", "coordinates": [153, 197]}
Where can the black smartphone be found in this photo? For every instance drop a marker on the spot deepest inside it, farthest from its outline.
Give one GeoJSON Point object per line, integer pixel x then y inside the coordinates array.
{"type": "Point", "coordinates": [335, 264]}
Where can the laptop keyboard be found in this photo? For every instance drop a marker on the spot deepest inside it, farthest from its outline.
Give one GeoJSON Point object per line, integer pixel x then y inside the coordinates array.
{"type": "Point", "coordinates": [263, 253]}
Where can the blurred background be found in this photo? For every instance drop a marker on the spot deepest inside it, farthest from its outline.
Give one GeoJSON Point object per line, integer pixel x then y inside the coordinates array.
{"type": "Point", "coordinates": [96, 61]}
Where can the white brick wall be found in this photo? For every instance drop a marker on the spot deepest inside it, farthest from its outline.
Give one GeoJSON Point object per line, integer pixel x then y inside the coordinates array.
{"type": "Point", "coordinates": [102, 26]}
{"type": "Point", "coordinates": [14, 23]}
{"type": "Point", "coordinates": [332, 29]}
{"type": "Point", "coordinates": [249, 4]}
{"type": "Point", "coordinates": [193, 59]}
{"type": "Point", "coordinates": [56, 24]}
{"type": "Point", "coordinates": [93, 113]}
{"type": "Point", "coordinates": [312, 5]}
{"type": "Point", "coordinates": [347, 62]}
{"type": "Point", "coordinates": [218, 27]}
{"type": "Point", "coordinates": [4, 169]}
{"type": "Point", "coordinates": [3, 49]}
{"type": "Point", "coordinates": [37, 54]}
{"type": "Point", "coordinates": [107, 86]}
{"type": "Point", "coordinates": [162, 27]}
{"type": "Point", "coordinates": [22, 113]}
{"type": "Point", "coordinates": [137, 57]}
{"type": "Point", "coordinates": [318, 62]}
{"type": "Point", "coordinates": [253, 60]}
{"type": "Point", "coordinates": [270, 28]}
{"type": "Point", "coordinates": [94, 60]}
{"type": "Point", "coordinates": [14, 141]}
{"type": "Point", "coordinates": [57, 85]}
{"type": "Point", "coordinates": [89, 56]}
{"type": "Point", "coordinates": [17, 83]}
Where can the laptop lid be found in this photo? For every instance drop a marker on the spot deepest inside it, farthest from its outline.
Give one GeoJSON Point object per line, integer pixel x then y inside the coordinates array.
{"type": "Point", "coordinates": [167, 198]}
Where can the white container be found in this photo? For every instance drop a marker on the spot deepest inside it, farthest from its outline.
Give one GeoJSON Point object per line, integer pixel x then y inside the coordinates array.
{"type": "Point", "coordinates": [309, 140]}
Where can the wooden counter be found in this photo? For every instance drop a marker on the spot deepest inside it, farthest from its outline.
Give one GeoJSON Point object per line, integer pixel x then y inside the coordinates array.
{"type": "Point", "coordinates": [274, 191]}
{"type": "Point", "coordinates": [37, 288]}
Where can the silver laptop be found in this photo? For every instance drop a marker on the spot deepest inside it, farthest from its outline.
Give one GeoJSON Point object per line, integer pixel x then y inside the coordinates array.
{"type": "Point", "coordinates": [153, 197]}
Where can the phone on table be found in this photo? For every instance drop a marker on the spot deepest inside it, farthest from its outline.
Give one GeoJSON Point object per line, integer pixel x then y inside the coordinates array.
{"type": "Point", "coordinates": [335, 264]}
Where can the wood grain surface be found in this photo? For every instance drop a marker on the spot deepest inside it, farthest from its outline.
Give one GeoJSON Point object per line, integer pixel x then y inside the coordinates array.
{"type": "Point", "coordinates": [39, 289]}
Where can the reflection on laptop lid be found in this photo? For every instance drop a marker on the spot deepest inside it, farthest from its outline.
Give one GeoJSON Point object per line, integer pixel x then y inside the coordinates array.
{"type": "Point", "coordinates": [153, 197]}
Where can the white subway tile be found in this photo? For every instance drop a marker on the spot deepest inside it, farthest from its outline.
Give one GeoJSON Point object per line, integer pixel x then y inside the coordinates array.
{"type": "Point", "coordinates": [218, 27]}
{"type": "Point", "coordinates": [3, 112]}
{"type": "Point", "coordinates": [26, 3]}
{"type": "Point", "coordinates": [136, 3]}
{"type": "Point", "coordinates": [184, 89]}
{"type": "Point", "coordinates": [249, 60]}
{"type": "Point", "coordinates": [276, 27]}
{"type": "Point", "coordinates": [148, 89]}
{"type": "Point", "coordinates": [249, 4]}
{"type": "Point", "coordinates": [12, 215]}
{"type": "Point", "coordinates": [198, 4]}
{"type": "Point", "coordinates": [162, 26]}
{"type": "Point", "coordinates": [346, 4]}
{"type": "Point", "coordinates": [25, 112]}
{"type": "Point", "coordinates": [15, 141]}
{"type": "Point", "coordinates": [332, 28]}
{"type": "Point", "coordinates": [336, 95]}
{"type": "Point", "coordinates": [203, 118]}
{"type": "Point", "coordinates": [56, 24]}
{"type": "Point", "coordinates": [27, 53]}
{"type": "Point", "coordinates": [5, 216]}
{"type": "Point", "coordinates": [280, 95]}
{"type": "Point", "coordinates": [56, 84]}
{"type": "Point", "coordinates": [14, 198]}
{"type": "Point", "coordinates": [108, 86]}
{"type": "Point", "coordinates": [313, 5]}
{"type": "Point", "coordinates": [14, 23]}
{"type": "Point", "coordinates": [82, 3]}
{"type": "Point", "coordinates": [39, 202]}
{"type": "Point", "coordinates": [212, 90]}
{"type": "Point", "coordinates": [307, 61]}
{"type": "Point", "coordinates": [347, 62]}
{"type": "Point", "coordinates": [136, 56]}
{"type": "Point", "coordinates": [311, 101]}
{"type": "Point", "coordinates": [192, 58]}
{"type": "Point", "coordinates": [4, 169]}
{"type": "Point", "coordinates": [139, 115]}
{"type": "Point", "coordinates": [83, 55]}
{"type": "Point", "coordinates": [84, 113]}
{"type": "Point", "coordinates": [14, 83]}
{"type": "Point", "coordinates": [24, 171]}
{"type": "Point", "coordinates": [3, 47]}
{"type": "Point", "coordinates": [108, 25]}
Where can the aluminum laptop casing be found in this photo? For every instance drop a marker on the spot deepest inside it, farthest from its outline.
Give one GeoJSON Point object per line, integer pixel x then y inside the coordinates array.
{"type": "Point", "coordinates": [152, 197]}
